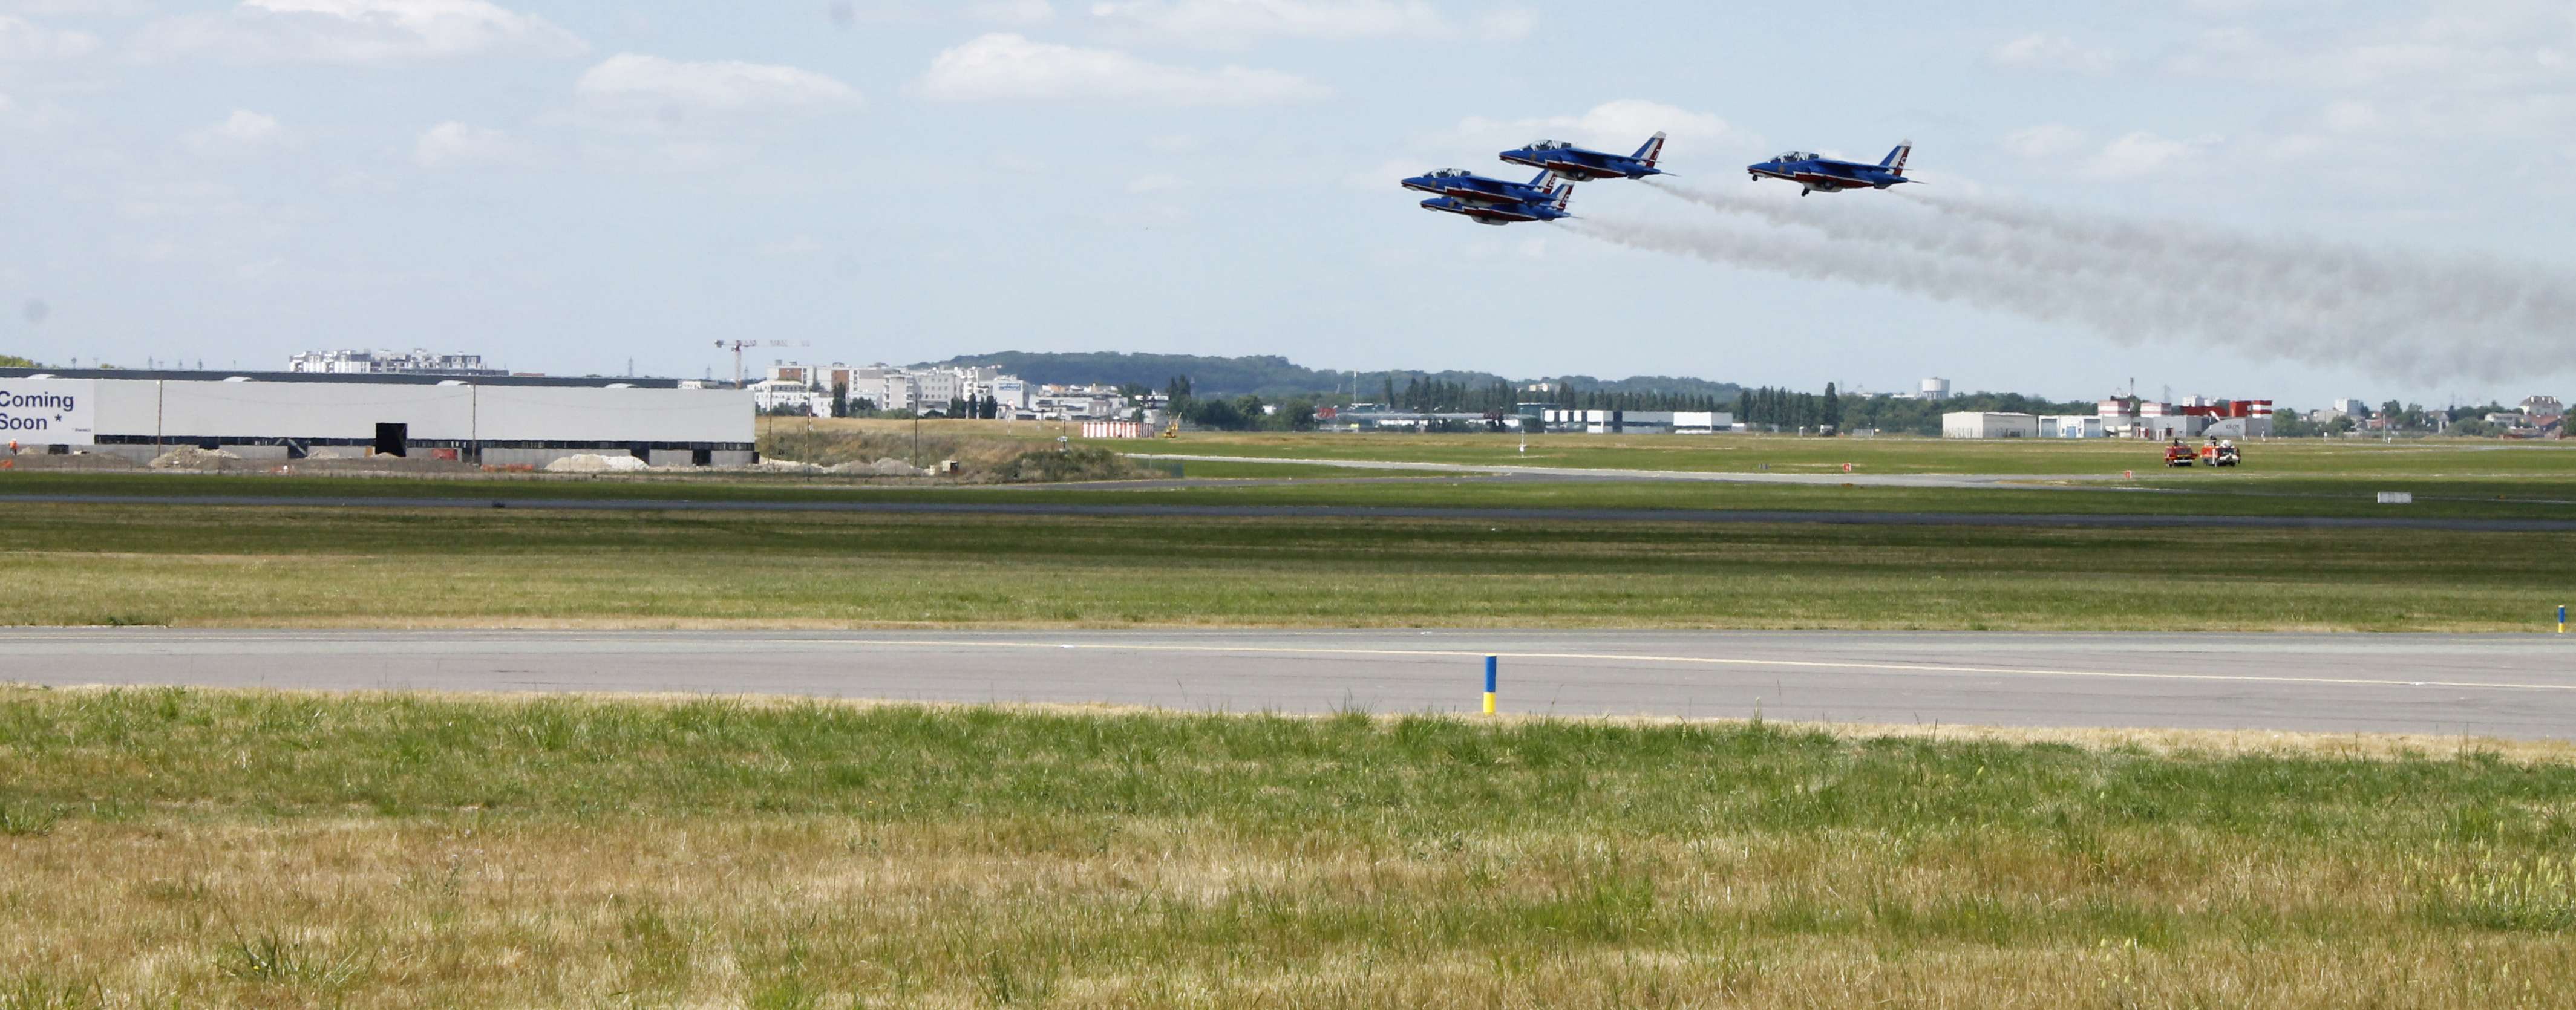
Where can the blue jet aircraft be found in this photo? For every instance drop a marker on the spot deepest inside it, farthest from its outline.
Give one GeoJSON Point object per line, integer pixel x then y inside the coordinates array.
{"type": "Point", "coordinates": [1580, 165]}
{"type": "Point", "coordinates": [1496, 210]}
{"type": "Point", "coordinates": [1466, 185]}
{"type": "Point", "coordinates": [1814, 172]}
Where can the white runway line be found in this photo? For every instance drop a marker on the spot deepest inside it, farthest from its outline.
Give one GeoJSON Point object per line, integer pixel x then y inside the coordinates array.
{"type": "Point", "coordinates": [1904, 668]}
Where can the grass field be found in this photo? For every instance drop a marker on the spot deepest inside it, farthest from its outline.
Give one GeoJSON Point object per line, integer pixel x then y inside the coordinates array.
{"type": "Point", "coordinates": [1305, 484]}
{"type": "Point", "coordinates": [258, 566]}
{"type": "Point", "coordinates": [1787, 454]}
{"type": "Point", "coordinates": [1792, 454]}
{"type": "Point", "coordinates": [172, 848]}
{"type": "Point", "coordinates": [2450, 479]}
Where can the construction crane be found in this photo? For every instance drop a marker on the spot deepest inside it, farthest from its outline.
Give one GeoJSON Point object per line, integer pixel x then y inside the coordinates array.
{"type": "Point", "coordinates": [738, 345]}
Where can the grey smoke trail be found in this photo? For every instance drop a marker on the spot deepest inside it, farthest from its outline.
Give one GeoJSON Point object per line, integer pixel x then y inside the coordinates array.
{"type": "Point", "coordinates": [2419, 317]}
{"type": "Point", "coordinates": [2115, 309]}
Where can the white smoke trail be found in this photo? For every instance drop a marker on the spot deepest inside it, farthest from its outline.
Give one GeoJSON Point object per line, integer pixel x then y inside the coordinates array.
{"type": "Point", "coordinates": [1943, 278]}
{"type": "Point", "coordinates": [2419, 317]}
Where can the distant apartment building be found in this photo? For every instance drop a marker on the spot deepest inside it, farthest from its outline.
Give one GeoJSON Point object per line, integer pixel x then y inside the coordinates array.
{"type": "Point", "coordinates": [888, 387]}
{"type": "Point", "coordinates": [414, 362]}
{"type": "Point", "coordinates": [1078, 403]}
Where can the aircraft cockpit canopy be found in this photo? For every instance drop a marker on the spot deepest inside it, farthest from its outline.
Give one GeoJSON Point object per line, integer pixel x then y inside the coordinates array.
{"type": "Point", "coordinates": [1450, 173]}
{"type": "Point", "coordinates": [1796, 156]}
{"type": "Point", "coordinates": [1550, 145]}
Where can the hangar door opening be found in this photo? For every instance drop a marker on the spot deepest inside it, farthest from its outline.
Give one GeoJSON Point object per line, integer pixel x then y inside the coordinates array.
{"type": "Point", "coordinates": [390, 438]}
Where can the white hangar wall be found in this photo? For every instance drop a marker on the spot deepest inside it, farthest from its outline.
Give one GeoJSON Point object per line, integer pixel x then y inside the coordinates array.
{"type": "Point", "coordinates": [524, 423]}
{"type": "Point", "coordinates": [539, 413]}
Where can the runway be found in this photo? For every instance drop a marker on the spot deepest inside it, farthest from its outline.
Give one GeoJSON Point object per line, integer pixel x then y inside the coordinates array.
{"type": "Point", "coordinates": [2518, 686]}
{"type": "Point", "coordinates": [1146, 510]}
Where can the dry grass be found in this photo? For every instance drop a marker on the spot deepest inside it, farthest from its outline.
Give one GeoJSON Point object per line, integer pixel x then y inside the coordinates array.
{"type": "Point", "coordinates": [223, 848]}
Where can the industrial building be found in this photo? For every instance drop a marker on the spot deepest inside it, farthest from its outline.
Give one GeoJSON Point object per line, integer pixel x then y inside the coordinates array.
{"type": "Point", "coordinates": [492, 420]}
{"type": "Point", "coordinates": [1638, 422]}
{"type": "Point", "coordinates": [2124, 417]}
{"type": "Point", "coordinates": [350, 362]}
{"type": "Point", "coordinates": [1969, 424]}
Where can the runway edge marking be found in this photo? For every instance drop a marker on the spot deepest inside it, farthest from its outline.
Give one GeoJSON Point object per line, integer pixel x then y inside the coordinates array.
{"type": "Point", "coordinates": [1919, 668]}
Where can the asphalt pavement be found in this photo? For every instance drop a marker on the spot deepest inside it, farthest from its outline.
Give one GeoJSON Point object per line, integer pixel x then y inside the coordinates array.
{"type": "Point", "coordinates": [1144, 510]}
{"type": "Point", "coordinates": [2518, 686]}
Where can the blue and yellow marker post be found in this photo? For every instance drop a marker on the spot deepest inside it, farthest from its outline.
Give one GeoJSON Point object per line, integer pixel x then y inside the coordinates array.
{"type": "Point", "coordinates": [1489, 685]}
{"type": "Point", "coordinates": [2562, 629]}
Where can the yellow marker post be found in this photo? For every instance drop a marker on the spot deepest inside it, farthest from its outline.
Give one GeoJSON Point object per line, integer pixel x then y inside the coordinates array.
{"type": "Point", "coordinates": [1489, 685]}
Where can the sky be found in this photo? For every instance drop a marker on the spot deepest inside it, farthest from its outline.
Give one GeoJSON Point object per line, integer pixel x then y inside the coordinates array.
{"type": "Point", "coordinates": [2112, 193]}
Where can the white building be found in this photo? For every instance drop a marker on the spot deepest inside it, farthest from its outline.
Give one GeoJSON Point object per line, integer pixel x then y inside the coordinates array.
{"type": "Point", "coordinates": [1967, 424]}
{"type": "Point", "coordinates": [771, 395]}
{"type": "Point", "coordinates": [1078, 402]}
{"type": "Point", "coordinates": [494, 420]}
{"type": "Point", "coordinates": [356, 362]}
{"type": "Point", "coordinates": [2074, 426]}
{"type": "Point", "coordinates": [1638, 422]}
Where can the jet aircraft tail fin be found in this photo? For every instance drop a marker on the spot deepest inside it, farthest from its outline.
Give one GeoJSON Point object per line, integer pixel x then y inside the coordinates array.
{"type": "Point", "coordinates": [1561, 195]}
{"type": "Point", "coordinates": [1652, 149]}
{"type": "Point", "coordinates": [1894, 163]}
{"type": "Point", "coordinates": [1546, 179]}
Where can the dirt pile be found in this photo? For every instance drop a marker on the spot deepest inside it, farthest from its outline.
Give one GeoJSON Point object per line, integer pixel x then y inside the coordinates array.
{"type": "Point", "coordinates": [882, 467]}
{"type": "Point", "coordinates": [979, 460]}
{"type": "Point", "coordinates": [189, 457]}
{"type": "Point", "coordinates": [591, 462]}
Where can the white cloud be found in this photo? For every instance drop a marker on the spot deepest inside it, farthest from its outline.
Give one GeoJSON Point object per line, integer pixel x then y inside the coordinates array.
{"type": "Point", "coordinates": [80, 8]}
{"type": "Point", "coordinates": [2141, 153]}
{"type": "Point", "coordinates": [1225, 24]}
{"type": "Point", "coordinates": [1515, 23]}
{"type": "Point", "coordinates": [21, 39]}
{"type": "Point", "coordinates": [2351, 117]}
{"type": "Point", "coordinates": [2459, 45]}
{"type": "Point", "coordinates": [1618, 125]}
{"type": "Point", "coordinates": [461, 145]}
{"type": "Point", "coordinates": [2042, 51]}
{"type": "Point", "coordinates": [723, 86]}
{"type": "Point", "coordinates": [1016, 13]}
{"type": "Point", "coordinates": [364, 32]}
{"type": "Point", "coordinates": [2047, 140]}
{"type": "Point", "coordinates": [1005, 66]}
{"type": "Point", "coordinates": [242, 132]}
{"type": "Point", "coordinates": [792, 247]}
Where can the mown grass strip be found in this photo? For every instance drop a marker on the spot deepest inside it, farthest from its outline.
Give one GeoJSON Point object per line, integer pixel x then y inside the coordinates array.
{"type": "Point", "coordinates": [86, 565]}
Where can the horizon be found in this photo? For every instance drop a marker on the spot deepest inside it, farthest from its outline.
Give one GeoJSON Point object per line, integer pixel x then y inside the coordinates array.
{"type": "Point", "coordinates": [2228, 200]}
{"type": "Point", "coordinates": [1913, 391]}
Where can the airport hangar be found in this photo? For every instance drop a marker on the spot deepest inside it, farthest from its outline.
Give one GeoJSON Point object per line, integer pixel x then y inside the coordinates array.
{"type": "Point", "coordinates": [495, 420]}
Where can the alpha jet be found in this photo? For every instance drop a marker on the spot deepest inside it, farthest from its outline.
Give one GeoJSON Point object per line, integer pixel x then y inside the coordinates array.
{"type": "Point", "coordinates": [1496, 210]}
{"type": "Point", "coordinates": [1581, 165]}
{"type": "Point", "coordinates": [1814, 172]}
{"type": "Point", "coordinates": [1461, 184]}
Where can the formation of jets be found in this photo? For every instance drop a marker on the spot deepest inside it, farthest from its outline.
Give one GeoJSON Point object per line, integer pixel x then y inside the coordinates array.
{"type": "Point", "coordinates": [1561, 165]}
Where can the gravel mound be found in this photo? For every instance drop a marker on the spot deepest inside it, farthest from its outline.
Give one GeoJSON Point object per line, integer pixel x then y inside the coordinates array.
{"type": "Point", "coordinates": [591, 462]}
{"type": "Point", "coordinates": [189, 457]}
{"type": "Point", "coordinates": [883, 467]}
